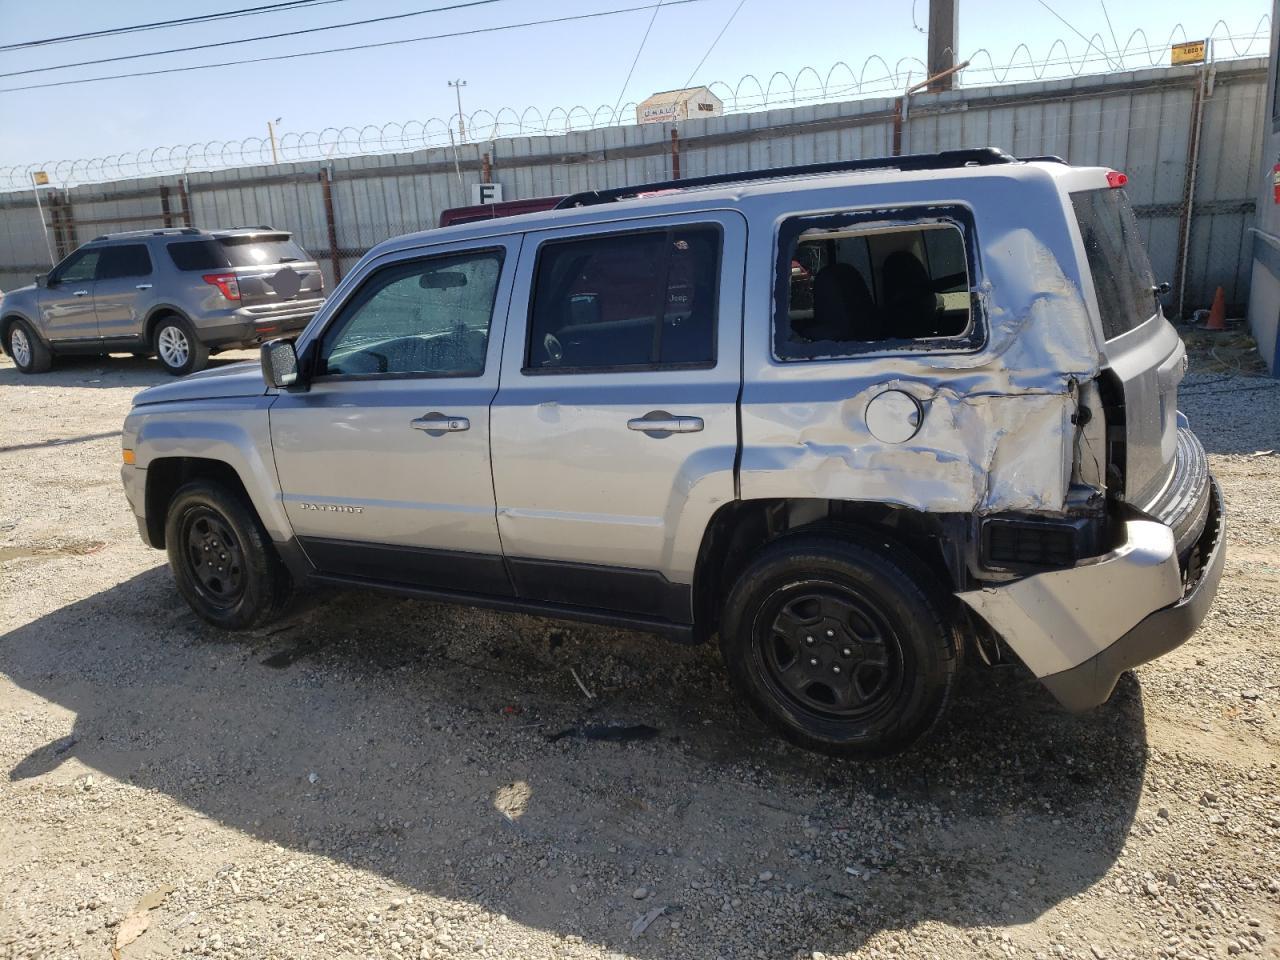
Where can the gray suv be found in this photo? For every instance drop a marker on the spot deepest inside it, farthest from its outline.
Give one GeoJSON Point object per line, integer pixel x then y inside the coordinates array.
{"type": "Point", "coordinates": [180, 294]}
{"type": "Point", "coordinates": [857, 420]}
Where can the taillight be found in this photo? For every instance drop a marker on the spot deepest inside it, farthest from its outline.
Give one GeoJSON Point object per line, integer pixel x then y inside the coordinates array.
{"type": "Point", "coordinates": [1116, 179]}
{"type": "Point", "coordinates": [226, 283]}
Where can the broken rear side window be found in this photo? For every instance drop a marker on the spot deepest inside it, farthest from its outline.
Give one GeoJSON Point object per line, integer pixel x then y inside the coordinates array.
{"type": "Point", "coordinates": [849, 284]}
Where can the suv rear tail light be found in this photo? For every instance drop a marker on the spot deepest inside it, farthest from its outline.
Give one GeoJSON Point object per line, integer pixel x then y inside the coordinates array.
{"type": "Point", "coordinates": [226, 283]}
{"type": "Point", "coordinates": [1116, 179]}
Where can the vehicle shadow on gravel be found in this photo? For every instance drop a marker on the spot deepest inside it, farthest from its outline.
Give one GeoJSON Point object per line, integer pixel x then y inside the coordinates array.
{"type": "Point", "coordinates": [451, 750]}
{"type": "Point", "coordinates": [98, 372]}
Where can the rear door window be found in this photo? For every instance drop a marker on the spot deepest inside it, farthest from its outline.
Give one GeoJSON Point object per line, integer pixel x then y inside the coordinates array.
{"type": "Point", "coordinates": [1122, 277]}
{"type": "Point", "coordinates": [261, 250]}
{"type": "Point", "coordinates": [644, 300]}
{"type": "Point", "coordinates": [127, 260]}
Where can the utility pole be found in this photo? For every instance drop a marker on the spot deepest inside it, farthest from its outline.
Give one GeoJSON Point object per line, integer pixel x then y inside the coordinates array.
{"type": "Point", "coordinates": [462, 127]}
{"type": "Point", "coordinates": [944, 37]}
{"type": "Point", "coordinates": [271, 135]}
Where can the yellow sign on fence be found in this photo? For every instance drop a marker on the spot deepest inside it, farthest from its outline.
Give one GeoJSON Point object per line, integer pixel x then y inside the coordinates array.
{"type": "Point", "coordinates": [1190, 52]}
{"type": "Point", "coordinates": [40, 178]}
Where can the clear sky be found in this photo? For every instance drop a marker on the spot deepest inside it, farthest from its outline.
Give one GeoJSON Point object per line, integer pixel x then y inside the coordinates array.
{"type": "Point", "coordinates": [583, 62]}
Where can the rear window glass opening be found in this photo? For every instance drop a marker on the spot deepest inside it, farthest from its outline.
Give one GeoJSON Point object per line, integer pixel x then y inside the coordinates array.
{"type": "Point", "coordinates": [849, 284]}
{"type": "Point", "coordinates": [250, 250]}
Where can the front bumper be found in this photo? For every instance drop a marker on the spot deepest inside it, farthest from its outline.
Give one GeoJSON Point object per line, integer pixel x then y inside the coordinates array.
{"type": "Point", "coordinates": [1079, 629]}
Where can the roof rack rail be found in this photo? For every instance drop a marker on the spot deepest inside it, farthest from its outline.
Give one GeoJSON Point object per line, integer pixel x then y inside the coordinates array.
{"type": "Point", "coordinates": [947, 159]}
{"type": "Point", "coordinates": [153, 232]}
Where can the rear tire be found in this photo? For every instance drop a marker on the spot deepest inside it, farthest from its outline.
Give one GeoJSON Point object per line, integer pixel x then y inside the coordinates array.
{"type": "Point", "coordinates": [177, 347]}
{"type": "Point", "coordinates": [29, 353]}
{"type": "Point", "coordinates": [840, 647]}
{"type": "Point", "coordinates": [222, 559]}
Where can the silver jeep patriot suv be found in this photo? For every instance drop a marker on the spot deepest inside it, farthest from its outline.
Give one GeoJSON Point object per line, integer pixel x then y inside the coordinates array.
{"type": "Point", "coordinates": [179, 293]}
{"type": "Point", "coordinates": [854, 419]}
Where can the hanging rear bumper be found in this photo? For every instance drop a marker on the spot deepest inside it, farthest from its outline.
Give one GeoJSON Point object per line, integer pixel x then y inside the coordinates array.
{"type": "Point", "coordinates": [1079, 629]}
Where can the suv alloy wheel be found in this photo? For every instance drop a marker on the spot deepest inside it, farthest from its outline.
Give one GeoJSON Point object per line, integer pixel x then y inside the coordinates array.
{"type": "Point", "coordinates": [28, 352]}
{"type": "Point", "coordinates": [178, 348]}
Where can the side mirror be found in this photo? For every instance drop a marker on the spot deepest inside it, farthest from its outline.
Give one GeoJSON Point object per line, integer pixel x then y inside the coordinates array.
{"type": "Point", "coordinates": [1161, 289]}
{"type": "Point", "coordinates": [42, 280]}
{"type": "Point", "coordinates": [280, 364]}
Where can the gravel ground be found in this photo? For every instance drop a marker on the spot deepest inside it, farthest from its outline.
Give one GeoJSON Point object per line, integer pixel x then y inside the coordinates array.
{"type": "Point", "coordinates": [384, 778]}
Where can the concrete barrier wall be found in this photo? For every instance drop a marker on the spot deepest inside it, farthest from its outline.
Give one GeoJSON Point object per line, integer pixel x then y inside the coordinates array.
{"type": "Point", "coordinates": [1139, 122]}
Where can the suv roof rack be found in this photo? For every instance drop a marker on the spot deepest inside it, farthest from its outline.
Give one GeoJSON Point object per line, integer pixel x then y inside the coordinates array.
{"type": "Point", "coordinates": [162, 232]}
{"type": "Point", "coordinates": [947, 159]}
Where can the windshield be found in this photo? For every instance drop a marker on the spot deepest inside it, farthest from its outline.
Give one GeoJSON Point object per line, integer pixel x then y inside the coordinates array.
{"type": "Point", "coordinates": [1117, 258]}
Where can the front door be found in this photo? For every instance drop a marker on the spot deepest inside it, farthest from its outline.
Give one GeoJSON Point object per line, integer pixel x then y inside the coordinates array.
{"type": "Point", "coordinates": [615, 428]}
{"type": "Point", "coordinates": [124, 275]}
{"type": "Point", "coordinates": [66, 302]}
{"type": "Point", "coordinates": [384, 461]}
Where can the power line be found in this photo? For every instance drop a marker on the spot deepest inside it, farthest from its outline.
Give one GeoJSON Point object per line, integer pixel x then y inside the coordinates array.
{"type": "Point", "coordinates": [643, 40]}
{"type": "Point", "coordinates": [180, 22]}
{"type": "Point", "coordinates": [714, 42]}
{"type": "Point", "coordinates": [1088, 40]}
{"type": "Point", "coordinates": [265, 36]}
{"type": "Point", "coordinates": [363, 46]}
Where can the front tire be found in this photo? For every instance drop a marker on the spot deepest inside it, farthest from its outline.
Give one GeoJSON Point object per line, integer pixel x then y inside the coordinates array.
{"type": "Point", "coordinates": [222, 560]}
{"type": "Point", "coordinates": [28, 352]}
{"type": "Point", "coordinates": [840, 647]}
{"type": "Point", "coordinates": [178, 348]}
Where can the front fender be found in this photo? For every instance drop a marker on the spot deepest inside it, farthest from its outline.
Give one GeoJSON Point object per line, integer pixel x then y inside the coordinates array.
{"type": "Point", "coordinates": [232, 430]}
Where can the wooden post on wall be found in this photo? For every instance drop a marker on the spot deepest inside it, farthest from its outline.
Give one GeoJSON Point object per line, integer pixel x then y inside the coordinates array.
{"type": "Point", "coordinates": [326, 187]}
{"type": "Point", "coordinates": [166, 215]}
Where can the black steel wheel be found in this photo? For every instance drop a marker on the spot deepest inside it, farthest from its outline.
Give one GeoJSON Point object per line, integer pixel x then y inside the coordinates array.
{"type": "Point", "coordinates": [222, 559]}
{"type": "Point", "coordinates": [829, 650]}
{"type": "Point", "coordinates": [214, 557]}
{"type": "Point", "coordinates": [841, 647]}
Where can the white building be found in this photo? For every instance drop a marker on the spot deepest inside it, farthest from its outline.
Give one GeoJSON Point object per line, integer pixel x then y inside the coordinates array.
{"type": "Point", "coordinates": [671, 105]}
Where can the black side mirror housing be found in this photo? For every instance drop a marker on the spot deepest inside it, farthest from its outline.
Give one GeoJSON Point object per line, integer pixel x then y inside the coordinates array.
{"type": "Point", "coordinates": [42, 279]}
{"type": "Point", "coordinates": [280, 368]}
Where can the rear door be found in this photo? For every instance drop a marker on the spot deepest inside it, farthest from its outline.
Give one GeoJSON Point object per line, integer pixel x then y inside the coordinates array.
{"type": "Point", "coordinates": [124, 275]}
{"type": "Point", "coordinates": [272, 269]}
{"type": "Point", "coordinates": [615, 428]}
{"type": "Point", "coordinates": [66, 302]}
{"type": "Point", "coordinates": [1142, 348]}
{"type": "Point", "coordinates": [384, 461]}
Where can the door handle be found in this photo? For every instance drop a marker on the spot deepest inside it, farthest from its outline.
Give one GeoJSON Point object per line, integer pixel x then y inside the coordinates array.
{"type": "Point", "coordinates": [81, 293]}
{"type": "Point", "coordinates": [661, 423]}
{"type": "Point", "coordinates": [440, 423]}
{"type": "Point", "coordinates": [143, 286]}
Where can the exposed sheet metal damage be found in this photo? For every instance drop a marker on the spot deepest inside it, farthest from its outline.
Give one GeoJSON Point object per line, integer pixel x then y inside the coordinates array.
{"type": "Point", "coordinates": [997, 430]}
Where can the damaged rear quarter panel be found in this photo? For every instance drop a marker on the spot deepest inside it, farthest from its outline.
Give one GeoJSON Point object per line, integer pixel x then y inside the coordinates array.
{"type": "Point", "coordinates": [996, 432]}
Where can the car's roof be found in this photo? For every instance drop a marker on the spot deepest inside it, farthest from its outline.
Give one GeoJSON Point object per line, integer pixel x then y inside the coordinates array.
{"type": "Point", "coordinates": [183, 233]}
{"type": "Point", "coordinates": [675, 199]}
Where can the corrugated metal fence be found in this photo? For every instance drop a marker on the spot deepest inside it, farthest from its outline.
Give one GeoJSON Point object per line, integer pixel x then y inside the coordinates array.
{"type": "Point", "coordinates": [1140, 122]}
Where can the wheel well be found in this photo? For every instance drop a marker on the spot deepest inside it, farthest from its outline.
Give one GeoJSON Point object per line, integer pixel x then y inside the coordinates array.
{"type": "Point", "coordinates": [741, 528]}
{"type": "Point", "coordinates": [166, 475]}
{"type": "Point", "coordinates": [156, 317]}
{"type": "Point", "coordinates": [5, 324]}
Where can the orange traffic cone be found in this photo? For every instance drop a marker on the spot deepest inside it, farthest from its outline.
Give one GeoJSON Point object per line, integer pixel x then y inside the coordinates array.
{"type": "Point", "coordinates": [1218, 312]}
